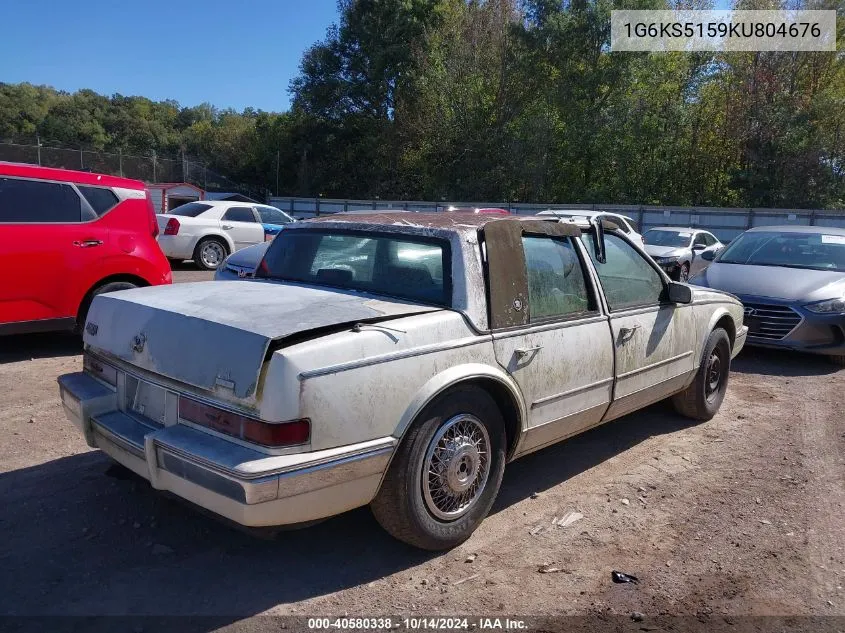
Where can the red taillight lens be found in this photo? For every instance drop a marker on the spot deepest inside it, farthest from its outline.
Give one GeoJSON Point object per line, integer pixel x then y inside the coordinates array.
{"type": "Point", "coordinates": [152, 211]}
{"type": "Point", "coordinates": [172, 227]}
{"type": "Point", "coordinates": [243, 427]}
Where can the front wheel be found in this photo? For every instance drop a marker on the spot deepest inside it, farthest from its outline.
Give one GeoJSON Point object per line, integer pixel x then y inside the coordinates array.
{"type": "Point", "coordinates": [446, 472]}
{"type": "Point", "coordinates": [683, 273]}
{"type": "Point", "coordinates": [702, 399]}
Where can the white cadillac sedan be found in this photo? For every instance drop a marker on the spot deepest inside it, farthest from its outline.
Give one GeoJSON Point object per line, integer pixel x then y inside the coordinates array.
{"type": "Point", "coordinates": [394, 360]}
{"type": "Point", "coordinates": [209, 230]}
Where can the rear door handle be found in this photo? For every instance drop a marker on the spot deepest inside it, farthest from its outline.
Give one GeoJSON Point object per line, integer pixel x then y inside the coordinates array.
{"type": "Point", "coordinates": [227, 227]}
{"type": "Point", "coordinates": [87, 243]}
{"type": "Point", "coordinates": [522, 352]}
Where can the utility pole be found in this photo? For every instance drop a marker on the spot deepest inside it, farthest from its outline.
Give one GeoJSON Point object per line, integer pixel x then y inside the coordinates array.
{"type": "Point", "coordinates": [154, 165]}
{"type": "Point", "coordinates": [120, 160]}
{"type": "Point", "coordinates": [278, 159]}
{"type": "Point", "coordinates": [38, 144]}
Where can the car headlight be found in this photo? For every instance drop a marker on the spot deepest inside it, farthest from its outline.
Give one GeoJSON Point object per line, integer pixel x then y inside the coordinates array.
{"type": "Point", "coordinates": [666, 260]}
{"type": "Point", "coordinates": [831, 306]}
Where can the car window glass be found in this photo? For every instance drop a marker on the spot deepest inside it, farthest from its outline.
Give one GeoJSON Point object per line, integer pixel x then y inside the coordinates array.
{"type": "Point", "coordinates": [622, 224]}
{"type": "Point", "coordinates": [556, 283]}
{"type": "Point", "coordinates": [38, 201]}
{"type": "Point", "coordinates": [239, 214]}
{"type": "Point", "coordinates": [393, 265]}
{"type": "Point", "coordinates": [701, 239]}
{"type": "Point", "coordinates": [101, 200]}
{"type": "Point", "coordinates": [627, 278]}
{"type": "Point", "coordinates": [190, 209]}
{"type": "Point", "coordinates": [711, 240]}
{"type": "Point", "coordinates": [269, 215]}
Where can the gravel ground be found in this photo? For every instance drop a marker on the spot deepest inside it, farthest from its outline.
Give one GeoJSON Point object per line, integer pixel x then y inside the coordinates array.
{"type": "Point", "coordinates": [741, 515]}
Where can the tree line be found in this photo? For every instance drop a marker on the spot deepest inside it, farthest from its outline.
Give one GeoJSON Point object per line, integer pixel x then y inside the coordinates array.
{"type": "Point", "coordinates": [499, 100]}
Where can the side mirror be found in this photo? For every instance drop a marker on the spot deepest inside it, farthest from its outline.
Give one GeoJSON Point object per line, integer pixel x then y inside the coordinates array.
{"type": "Point", "coordinates": [698, 247]}
{"type": "Point", "coordinates": [708, 256]}
{"type": "Point", "coordinates": [679, 293]}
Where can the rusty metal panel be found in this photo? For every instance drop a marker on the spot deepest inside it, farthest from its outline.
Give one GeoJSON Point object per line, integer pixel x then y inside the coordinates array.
{"type": "Point", "coordinates": [507, 277]}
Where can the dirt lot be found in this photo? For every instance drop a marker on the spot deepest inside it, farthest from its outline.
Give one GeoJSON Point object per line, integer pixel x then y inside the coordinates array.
{"type": "Point", "coordinates": [741, 515]}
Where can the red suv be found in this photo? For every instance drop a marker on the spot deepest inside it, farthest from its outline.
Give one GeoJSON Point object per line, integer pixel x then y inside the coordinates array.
{"type": "Point", "coordinates": [66, 236]}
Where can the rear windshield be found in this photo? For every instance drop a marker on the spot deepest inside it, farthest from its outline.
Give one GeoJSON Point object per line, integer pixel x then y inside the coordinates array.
{"type": "Point", "coordinates": [395, 265]}
{"type": "Point", "coordinates": [677, 239]}
{"type": "Point", "coordinates": [191, 210]}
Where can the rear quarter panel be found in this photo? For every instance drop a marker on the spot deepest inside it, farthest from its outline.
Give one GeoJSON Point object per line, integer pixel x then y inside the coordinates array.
{"type": "Point", "coordinates": [357, 386]}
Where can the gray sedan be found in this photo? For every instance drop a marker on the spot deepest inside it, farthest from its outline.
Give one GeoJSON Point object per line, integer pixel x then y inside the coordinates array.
{"type": "Point", "coordinates": [679, 251]}
{"type": "Point", "coordinates": [791, 280]}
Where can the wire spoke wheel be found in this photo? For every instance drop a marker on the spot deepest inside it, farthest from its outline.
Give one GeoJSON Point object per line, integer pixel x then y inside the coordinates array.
{"type": "Point", "coordinates": [456, 467]}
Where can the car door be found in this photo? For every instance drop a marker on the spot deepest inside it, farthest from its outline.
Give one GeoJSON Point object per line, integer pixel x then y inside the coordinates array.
{"type": "Point", "coordinates": [51, 240]}
{"type": "Point", "coordinates": [558, 346]}
{"type": "Point", "coordinates": [242, 225]}
{"type": "Point", "coordinates": [653, 338]}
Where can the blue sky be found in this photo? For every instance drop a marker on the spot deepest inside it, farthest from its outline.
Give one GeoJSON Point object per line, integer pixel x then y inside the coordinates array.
{"type": "Point", "coordinates": [230, 54]}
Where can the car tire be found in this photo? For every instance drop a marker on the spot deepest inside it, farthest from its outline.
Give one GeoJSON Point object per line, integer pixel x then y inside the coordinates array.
{"type": "Point", "coordinates": [683, 273]}
{"type": "Point", "coordinates": [838, 359]}
{"type": "Point", "coordinates": [210, 253]}
{"type": "Point", "coordinates": [113, 286]}
{"type": "Point", "coordinates": [702, 399]}
{"type": "Point", "coordinates": [427, 512]}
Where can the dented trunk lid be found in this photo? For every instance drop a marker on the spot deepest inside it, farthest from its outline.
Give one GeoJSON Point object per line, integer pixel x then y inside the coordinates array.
{"type": "Point", "coordinates": [217, 334]}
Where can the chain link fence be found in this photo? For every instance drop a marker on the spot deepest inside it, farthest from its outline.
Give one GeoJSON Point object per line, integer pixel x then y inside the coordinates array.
{"type": "Point", "coordinates": [150, 169]}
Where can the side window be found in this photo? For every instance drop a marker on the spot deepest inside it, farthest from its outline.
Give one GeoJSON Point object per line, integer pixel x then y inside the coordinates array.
{"type": "Point", "coordinates": [269, 215]}
{"type": "Point", "coordinates": [38, 201]}
{"type": "Point", "coordinates": [711, 240]}
{"type": "Point", "coordinates": [556, 283]}
{"type": "Point", "coordinates": [101, 200]}
{"type": "Point", "coordinates": [627, 278]}
{"type": "Point", "coordinates": [621, 223]}
{"type": "Point", "coordinates": [239, 214]}
{"type": "Point", "coordinates": [700, 239]}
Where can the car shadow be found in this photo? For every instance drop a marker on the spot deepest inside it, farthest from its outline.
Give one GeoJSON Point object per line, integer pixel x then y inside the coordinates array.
{"type": "Point", "coordinates": [775, 362]}
{"type": "Point", "coordinates": [185, 265]}
{"type": "Point", "coordinates": [82, 537]}
{"type": "Point", "coordinates": [44, 345]}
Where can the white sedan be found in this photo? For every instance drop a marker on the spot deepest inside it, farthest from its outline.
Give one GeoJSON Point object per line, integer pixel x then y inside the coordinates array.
{"type": "Point", "coordinates": [393, 359]}
{"type": "Point", "coordinates": [209, 230]}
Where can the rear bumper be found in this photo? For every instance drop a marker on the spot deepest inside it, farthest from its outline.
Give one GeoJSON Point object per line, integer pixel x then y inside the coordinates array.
{"type": "Point", "coordinates": [177, 246]}
{"type": "Point", "coordinates": [243, 485]}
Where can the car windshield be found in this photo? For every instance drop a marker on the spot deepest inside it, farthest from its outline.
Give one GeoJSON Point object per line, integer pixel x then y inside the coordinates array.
{"type": "Point", "coordinates": [786, 248]}
{"type": "Point", "coordinates": [408, 267]}
{"type": "Point", "coordinates": [660, 237]}
{"type": "Point", "coordinates": [190, 210]}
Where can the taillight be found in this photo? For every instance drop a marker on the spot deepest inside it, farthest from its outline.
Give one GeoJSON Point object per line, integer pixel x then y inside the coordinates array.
{"type": "Point", "coordinates": [152, 211]}
{"type": "Point", "coordinates": [172, 227]}
{"type": "Point", "coordinates": [98, 368]}
{"type": "Point", "coordinates": [243, 427]}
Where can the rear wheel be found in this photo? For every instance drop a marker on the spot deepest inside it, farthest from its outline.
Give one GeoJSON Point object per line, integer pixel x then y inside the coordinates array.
{"type": "Point", "coordinates": [446, 472]}
{"type": "Point", "coordinates": [113, 286]}
{"type": "Point", "coordinates": [209, 253]}
{"type": "Point", "coordinates": [702, 399]}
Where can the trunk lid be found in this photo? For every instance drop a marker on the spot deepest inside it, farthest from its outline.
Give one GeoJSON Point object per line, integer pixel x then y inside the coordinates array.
{"type": "Point", "coordinates": [216, 335]}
